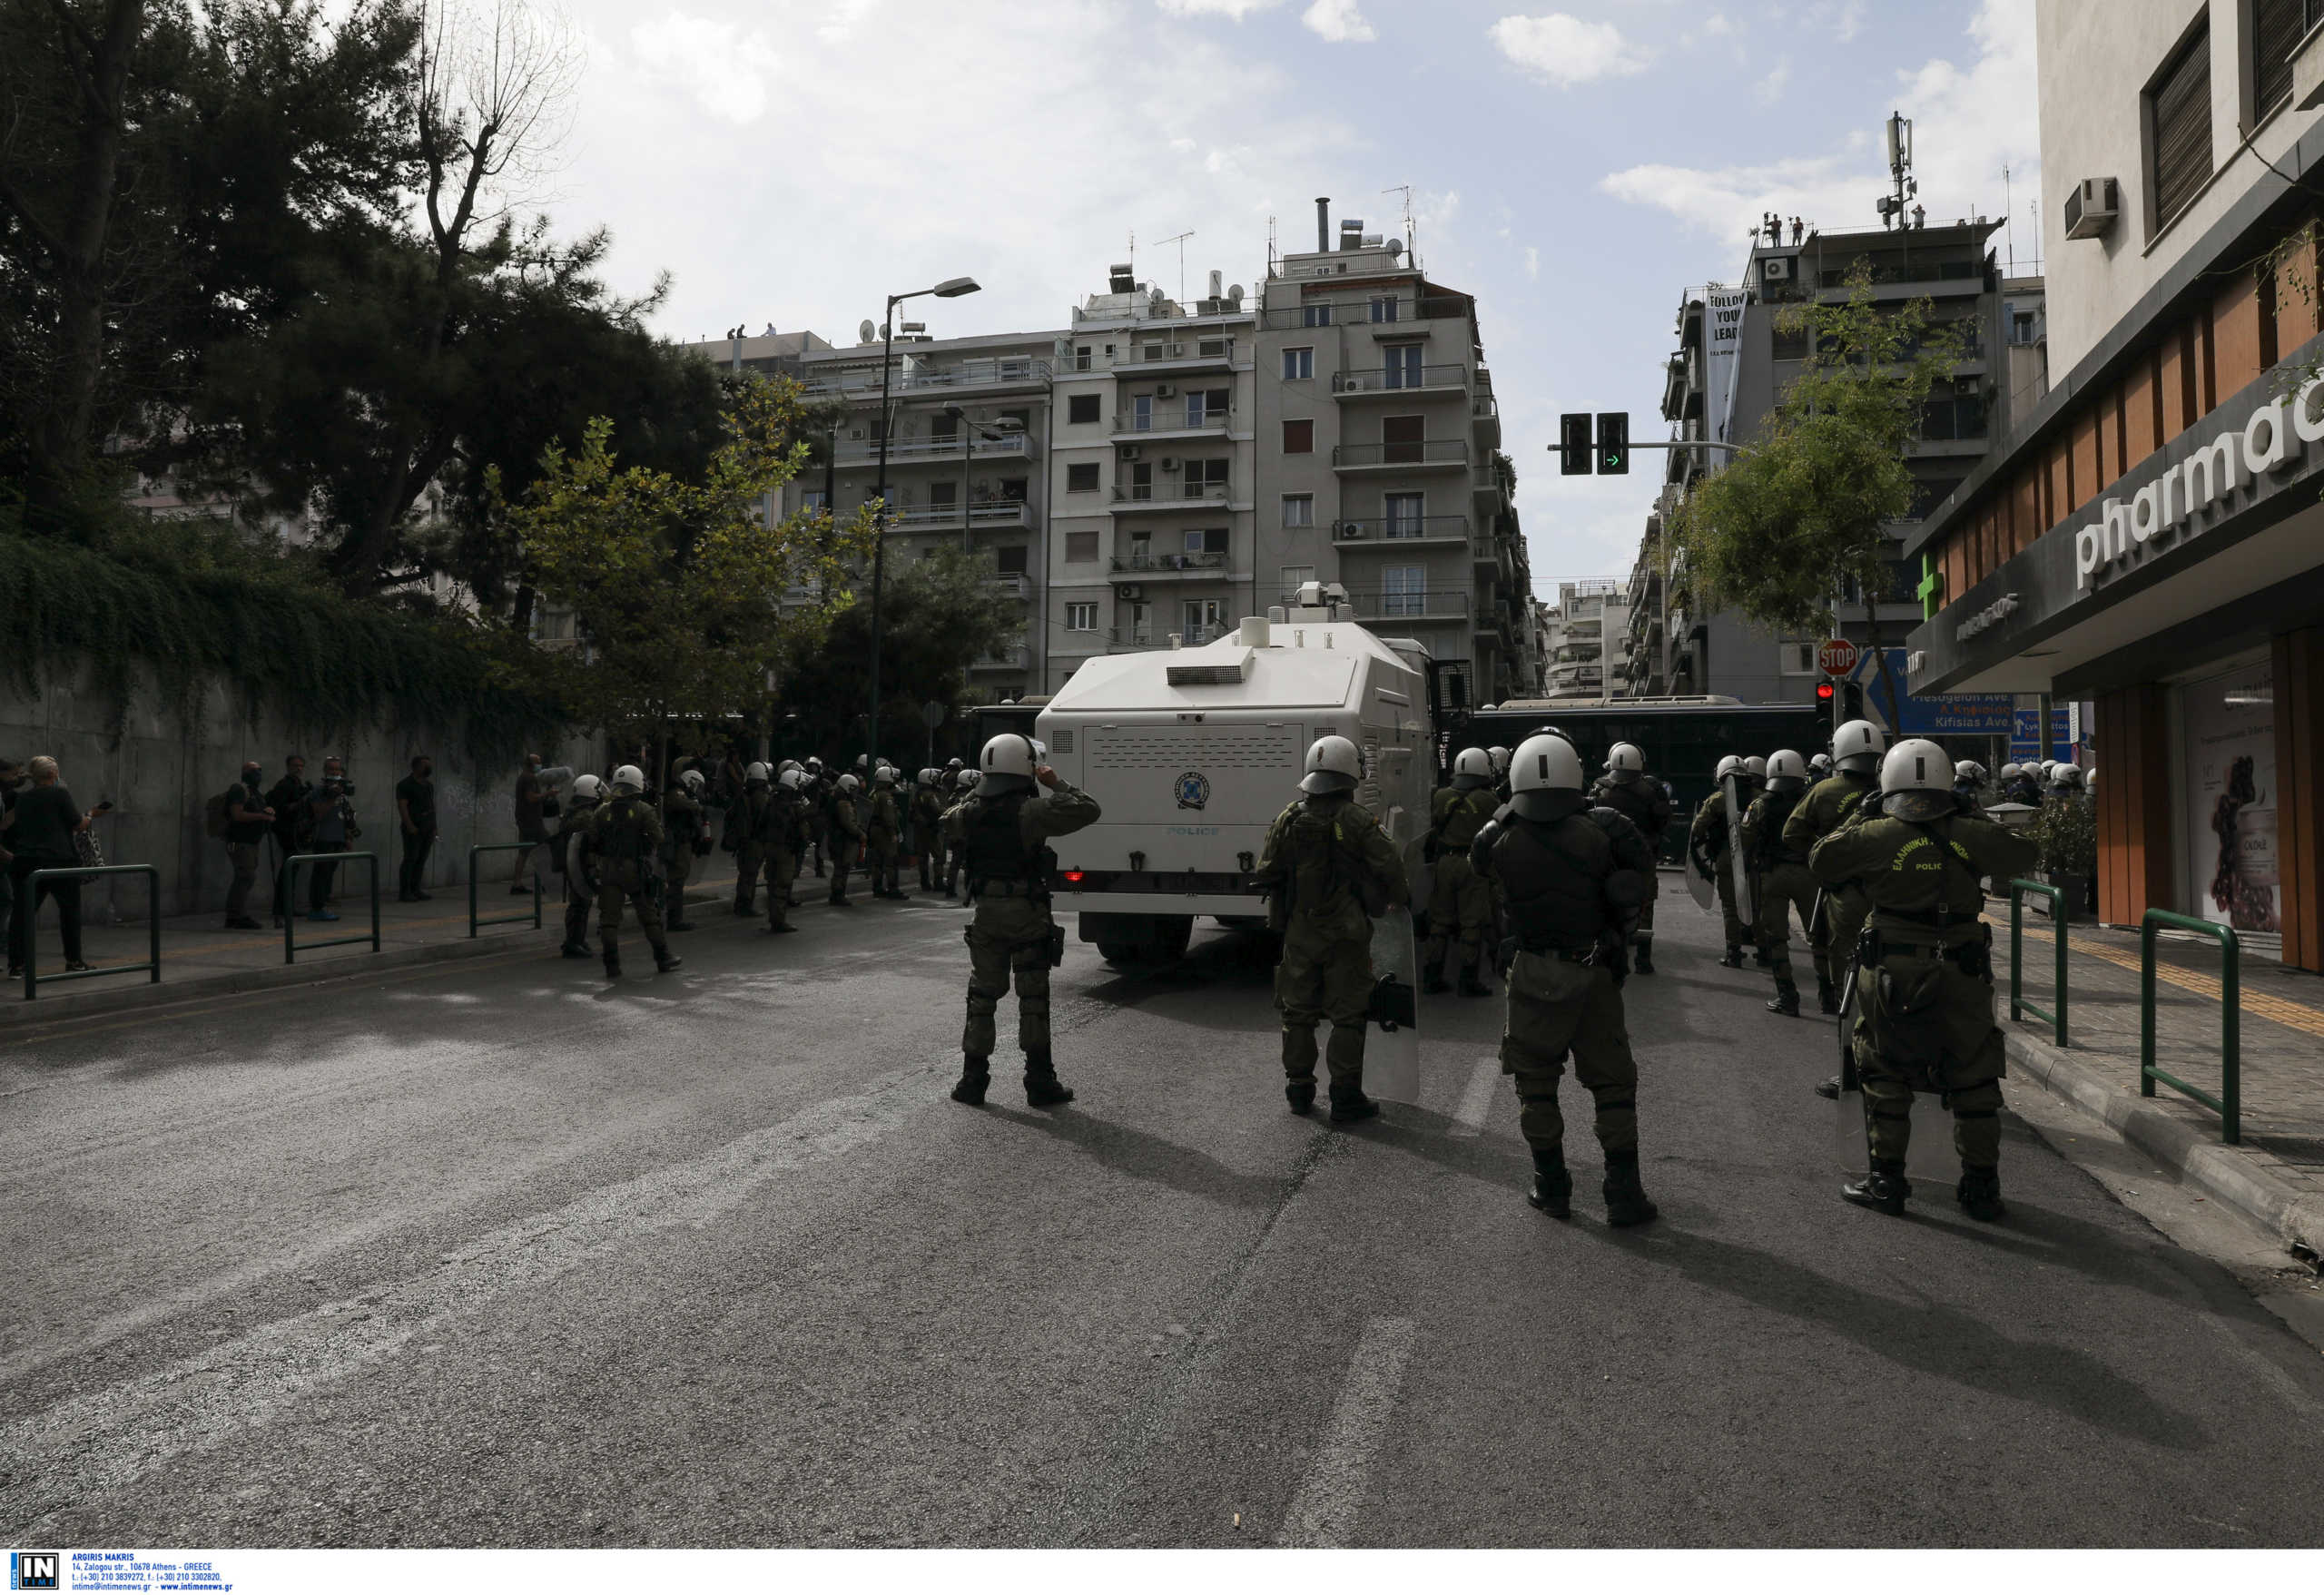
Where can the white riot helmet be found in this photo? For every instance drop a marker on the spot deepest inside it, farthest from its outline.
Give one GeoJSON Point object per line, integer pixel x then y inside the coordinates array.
{"type": "Point", "coordinates": [1969, 770]}
{"type": "Point", "coordinates": [849, 783]}
{"type": "Point", "coordinates": [885, 775]}
{"type": "Point", "coordinates": [814, 763]}
{"type": "Point", "coordinates": [1472, 768]}
{"type": "Point", "coordinates": [1787, 771]}
{"type": "Point", "coordinates": [691, 780]}
{"type": "Point", "coordinates": [587, 789]}
{"type": "Point", "coordinates": [794, 779]}
{"type": "Point", "coordinates": [1625, 757]}
{"type": "Point", "coordinates": [2090, 782]}
{"type": "Point", "coordinates": [2048, 767]}
{"type": "Point", "coordinates": [1820, 765]}
{"type": "Point", "coordinates": [1727, 767]}
{"type": "Point", "coordinates": [1917, 765]}
{"type": "Point", "coordinates": [1757, 767]}
{"type": "Point", "coordinates": [862, 760]}
{"type": "Point", "coordinates": [971, 777]}
{"type": "Point", "coordinates": [755, 772]}
{"type": "Point", "coordinates": [2066, 775]}
{"type": "Point", "coordinates": [629, 780]}
{"type": "Point", "coordinates": [1332, 765]}
{"type": "Point", "coordinates": [1499, 757]}
{"type": "Point", "coordinates": [1858, 744]}
{"type": "Point", "coordinates": [2012, 772]}
{"type": "Point", "coordinates": [1545, 778]}
{"type": "Point", "coordinates": [1007, 760]}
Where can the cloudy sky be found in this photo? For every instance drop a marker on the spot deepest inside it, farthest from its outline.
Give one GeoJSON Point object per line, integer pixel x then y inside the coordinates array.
{"type": "Point", "coordinates": [792, 161]}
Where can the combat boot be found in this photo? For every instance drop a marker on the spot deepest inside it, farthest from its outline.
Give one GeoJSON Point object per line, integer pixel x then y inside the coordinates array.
{"type": "Point", "coordinates": [1552, 1190]}
{"type": "Point", "coordinates": [612, 966]}
{"type": "Point", "coordinates": [1734, 958]}
{"type": "Point", "coordinates": [976, 1074]}
{"type": "Point", "coordinates": [1979, 1194]}
{"type": "Point", "coordinates": [1885, 1188]}
{"type": "Point", "coordinates": [1042, 1088]}
{"type": "Point", "coordinates": [574, 950]}
{"type": "Point", "coordinates": [743, 907]}
{"type": "Point", "coordinates": [1644, 962]}
{"type": "Point", "coordinates": [1353, 1106]}
{"type": "Point", "coordinates": [1300, 1095]}
{"type": "Point", "coordinates": [1828, 1089]}
{"type": "Point", "coordinates": [1786, 1001]}
{"type": "Point", "coordinates": [1626, 1198]}
{"type": "Point", "coordinates": [1432, 983]}
{"type": "Point", "coordinates": [665, 961]}
{"type": "Point", "coordinates": [1470, 986]}
{"type": "Point", "coordinates": [1827, 999]}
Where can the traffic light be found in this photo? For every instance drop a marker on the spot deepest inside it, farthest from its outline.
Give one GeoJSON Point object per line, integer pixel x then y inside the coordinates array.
{"type": "Point", "coordinates": [1851, 703]}
{"type": "Point", "coordinates": [1614, 443]}
{"type": "Point", "coordinates": [1823, 694]}
{"type": "Point", "coordinates": [1573, 446]}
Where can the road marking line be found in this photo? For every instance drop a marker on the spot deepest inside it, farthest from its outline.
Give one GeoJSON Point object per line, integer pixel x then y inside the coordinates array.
{"type": "Point", "coordinates": [1469, 1118]}
{"type": "Point", "coordinates": [1323, 1514]}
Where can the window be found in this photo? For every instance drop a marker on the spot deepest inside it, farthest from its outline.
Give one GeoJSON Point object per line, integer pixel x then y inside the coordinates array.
{"type": "Point", "coordinates": [1153, 351]}
{"type": "Point", "coordinates": [1402, 439]}
{"type": "Point", "coordinates": [1204, 618]}
{"type": "Point", "coordinates": [1011, 559]}
{"type": "Point", "coordinates": [814, 499]}
{"type": "Point", "coordinates": [1403, 367]}
{"type": "Point", "coordinates": [1081, 410]}
{"type": "Point", "coordinates": [2021, 327]}
{"type": "Point", "coordinates": [1141, 480]}
{"type": "Point", "coordinates": [1298, 364]}
{"type": "Point", "coordinates": [1949, 415]}
{"type": "Point", "coordinates": [1794, 657]}
{"type": "Point", "coordinates": [1299, 509]}
{"type": "Point", "coordinates": [1081, 617]}
{"type": "Point", "coordinates": [1081, 358]}
{"type": "Point", "coordinates": [2277, 28]}
{"type": "Point", "coordinates": [1081, 478]}
{"type": "Point", "coordinates": [1012, 490]}
{"type": "Point", "coordinates": [1141, 550]}
{"type": "Point", "coordinates": [1141, 623]}
{"type": "Point", "coordinates": [1403, 514]}
{"type": "Point", "coordinates": [1317, 313]}
{"type": "Point", "coordinates": [943, 494]}
{"type": "Point", "coordinates": [943, 426]}
{"type": "Point", "coordinates": [1206, 406]}
{"type": "Point", "coordinates": [1299, 437]}
{"type": "Point", "coordinates": [1141, 407]}
{"type": "Point", "coordinates": [1211, 540]}
{"type": "Point", "coordinates": [2178, 120]}
{"type": "Point", "coordinates": [1403, 590]}
{"type": "Point", "coordinates": [1295, 576]}
{"type": "Point", "coordinates": [1384, 308]}
{"type": "Point", "coordinates": [1081, 548]}
{"type": "Point", "coordinates": [1207, 478]}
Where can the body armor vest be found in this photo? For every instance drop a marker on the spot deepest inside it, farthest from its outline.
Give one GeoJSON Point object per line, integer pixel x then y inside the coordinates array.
{"type": "Point", "coordinates": [995, 841]}
{"type": "Point", "coordinates": [621, 834]}
{"type": "Point", "coordinates": [1554, 874]}
{"type": "Point", "coordinates": [1776, 808]}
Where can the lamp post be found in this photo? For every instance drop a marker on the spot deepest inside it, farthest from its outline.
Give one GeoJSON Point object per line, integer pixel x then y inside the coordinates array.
{"type": "Point", "coordinates": [950, 288]}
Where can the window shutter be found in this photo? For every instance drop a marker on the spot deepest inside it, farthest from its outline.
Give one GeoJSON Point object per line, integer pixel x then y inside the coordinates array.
{"type": "Point", "coordinates": [2181, 100]}
{"type": "Point", "coordinates": [2277, 28]}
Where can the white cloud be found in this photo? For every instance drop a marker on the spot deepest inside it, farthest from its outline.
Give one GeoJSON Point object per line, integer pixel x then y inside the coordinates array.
{"type": "Point", "coordinates": [1771, 88]}
{"type": "Point", "coordinates": [1532, 264]}
{"type": "Point", "coordinates": [1563, 51]}
{"type": "Point", "coordinates": [1338, 21]}
{"type": "Point", "coordinates": [1968, 122]}
{"type": "Point", "coordinates": [725, 70]}
{"type": "Point", "coordinates": [1237, 9]}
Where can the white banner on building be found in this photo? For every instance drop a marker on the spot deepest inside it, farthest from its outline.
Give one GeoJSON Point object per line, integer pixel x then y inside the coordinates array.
{"type": "Point", "coordinates": [1723, 309]}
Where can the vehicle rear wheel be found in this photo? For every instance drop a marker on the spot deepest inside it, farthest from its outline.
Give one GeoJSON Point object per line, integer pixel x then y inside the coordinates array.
{"type": "Point", "coordinates": [1120, 953]}
{"type": "Point", "coordinates": [1172, 932]}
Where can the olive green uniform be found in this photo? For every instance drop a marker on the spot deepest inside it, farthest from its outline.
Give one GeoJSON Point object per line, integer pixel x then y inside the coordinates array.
{"type": "Point", "coordinates": [1639, 798]}
{"type": "Point", "coordinates": [780, 839]}
{"type": "Point", "coordinates": [1827, 805]}
{"type": "Point", "coordinates": [1459, 899]}
{"type": "Point", "coordinates": [1925, 1018]}
{"type": "Point", "coordinates": [681, 823]}
{"type": "Point", "coordinates": [1706, 837]}
{"type": "Point", "coordinates": [749, 816]}
{"type": "Point", "coordinates": [927, 834]}
{"type": "Point", "coordinates": [883, 842]}
{"type": "Point", "coordinates": [581, 883]}
{"type": "Point", "coordinates": [1325, 856]}
{"type": "Point", "coordinates": [1785, 887]}
{"type": "Point", "coordinates": [1010, 936]}
{"type": "Point", "coordinates": [625, 840]}
{"type": "Point", "coordinates": [845, 834]}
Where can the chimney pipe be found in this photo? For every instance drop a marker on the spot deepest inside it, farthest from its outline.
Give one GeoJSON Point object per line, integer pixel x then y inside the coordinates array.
{"type": "Point", "coordinates": [1323, 223]}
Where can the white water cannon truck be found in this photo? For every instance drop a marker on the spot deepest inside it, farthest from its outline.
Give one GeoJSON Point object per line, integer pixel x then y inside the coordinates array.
{"type": "Point", "coordinates": [1192, 753]}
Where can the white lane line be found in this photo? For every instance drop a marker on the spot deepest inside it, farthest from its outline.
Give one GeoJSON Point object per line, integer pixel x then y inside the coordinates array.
{"type": "Point", "coordinates": [1469, 1118]}
{"type": "Point", "coordinates": [104, 1439]}
{"type": "Point", "coordinates": [1323, 1514]}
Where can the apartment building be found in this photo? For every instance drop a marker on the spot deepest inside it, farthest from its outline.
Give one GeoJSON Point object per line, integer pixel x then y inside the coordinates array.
{"type": "Point", "coordinates": [1587, 640]}
{"type": "Point", "coordinates": [1735, 358]}
{"type": "Point", "coordinates": [1379, 462]}
{"type": "Point", "coordinates": [1152, 473]}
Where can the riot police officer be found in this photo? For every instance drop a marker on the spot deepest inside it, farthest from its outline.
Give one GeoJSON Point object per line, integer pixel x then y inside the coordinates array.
{"type": "Point", "coordinates": [965, 788]}
{"type": "Point", "coordinates": [1969, 782]}
{"type": "Point", "coordinates": [781, 838]}
{"type": "Point", "coordinates": [1924, 1015]}
{"type": "Point", "coordinates": [843, 824]}
{"type": "Point", "coordinates": [1003, 830]}
{"type": "Point", "coordinates": [1782, 884]}
{"type": "Point", "coordinates": [1458, 901]}
{"type": "Point", "coordinates": [1857, 748]}
{"type": "Point", "coordinates": [1329, 871]}
{"type": "Point", "coordinates": [682, 825]}
{"type": "Point", "coordinates": [1628, 790]}
{"type": "Point", "coordinates": [1574, 878]}
{"type": "Point", "coordinates": [1711, 850]}
{"type": "Point", "coordinates": [748, 821]}
{"type": "Point", "coordinates": [928, 826]}
{"type": "Point", "coordinates": [883, 834]}
{"type": "Point", "coordinates": [624, 839]}
{"type": "Point", "coordinates": [581, 882]}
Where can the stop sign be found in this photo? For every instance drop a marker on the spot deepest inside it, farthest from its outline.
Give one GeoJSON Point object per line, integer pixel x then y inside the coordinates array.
{"type": "Point", "coordinates": [1836, 658]}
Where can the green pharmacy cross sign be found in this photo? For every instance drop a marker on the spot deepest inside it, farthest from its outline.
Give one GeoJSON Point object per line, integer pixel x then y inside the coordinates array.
{"type": "Point", "coordinates": [1932, 587]}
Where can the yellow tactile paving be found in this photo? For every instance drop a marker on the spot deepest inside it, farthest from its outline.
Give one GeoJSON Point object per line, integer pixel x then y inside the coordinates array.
{"type": "Point", "coordinates": [2293, 1015]}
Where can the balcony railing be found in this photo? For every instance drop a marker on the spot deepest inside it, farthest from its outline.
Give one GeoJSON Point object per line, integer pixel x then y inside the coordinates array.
{"type": "Point", "coordinates": [1420, 452]}
{"type": "Point", "coordinates": [1170, 495]}
{"type": "Point", "coordinates": [1124, 639]}
{"type": "Point", "coordinates": [854, 456]}
{"type": "Point", "coordinates": [920, 517]}
{"type": "Point", "coordinates": [1178, 352]}
{"type": "Point", "coordinates": [1378, 604]}
{"type": "Point", "coordinates": [1420, 528]}
{"type": "Point", "coordinates": [998, 371]}
{"type": "Point", "coordinates": [1357, 313]}
{"type": "Point", "coordinates": [1400, 379]}
{"type": "Point", "coordinates": [1190, 418]}
{"type": "Point", "coordinates": [1168, 564]}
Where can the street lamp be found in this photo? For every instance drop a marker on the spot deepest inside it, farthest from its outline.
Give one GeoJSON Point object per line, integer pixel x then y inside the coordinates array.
{"type": "Point", "coordinates": [950, 288]}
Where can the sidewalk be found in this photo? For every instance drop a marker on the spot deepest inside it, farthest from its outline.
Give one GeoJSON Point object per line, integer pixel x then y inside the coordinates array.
{"type": "Point", "coordinates": [2275, 1175]}
{"type": "Point", "coordinates": [200, 959]}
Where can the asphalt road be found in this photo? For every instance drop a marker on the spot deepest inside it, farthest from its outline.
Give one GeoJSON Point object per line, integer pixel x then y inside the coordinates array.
{"type": "Point", "coordinates": [498, 1253]}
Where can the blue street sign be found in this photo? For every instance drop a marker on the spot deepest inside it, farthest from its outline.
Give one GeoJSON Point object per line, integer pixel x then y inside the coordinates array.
{"type": "Point", "coordinates": [1938, 715]}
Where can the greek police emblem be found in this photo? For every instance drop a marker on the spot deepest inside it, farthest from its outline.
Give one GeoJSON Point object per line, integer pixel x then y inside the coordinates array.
{"type": "Point", "coordinates": [1194, 790]}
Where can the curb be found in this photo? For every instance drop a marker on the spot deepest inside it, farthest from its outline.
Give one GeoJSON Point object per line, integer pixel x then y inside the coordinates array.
{"type": "Point", "coordinates": [2226, 1174]}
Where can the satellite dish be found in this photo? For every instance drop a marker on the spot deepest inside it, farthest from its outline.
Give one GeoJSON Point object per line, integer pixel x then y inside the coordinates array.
{"type": "Point", "coordinates": [867, 332]}
{"type": "Point", "coordinates": [1235, 291]}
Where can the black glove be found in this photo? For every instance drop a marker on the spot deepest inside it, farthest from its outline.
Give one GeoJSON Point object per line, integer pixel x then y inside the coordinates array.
{"type": "Point", "coordinates": [1703, 866]}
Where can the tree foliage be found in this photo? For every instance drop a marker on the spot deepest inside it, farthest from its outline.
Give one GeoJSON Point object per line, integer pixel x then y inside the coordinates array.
{"type": "Point", "coordinates": [686, 599]}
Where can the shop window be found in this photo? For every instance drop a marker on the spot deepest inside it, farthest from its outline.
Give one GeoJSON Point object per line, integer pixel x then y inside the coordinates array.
{"type": "Point", "coordinates": [2178, 121]}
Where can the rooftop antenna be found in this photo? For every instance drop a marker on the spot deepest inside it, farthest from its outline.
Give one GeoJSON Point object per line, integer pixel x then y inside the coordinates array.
{"type": "Point", "coordinates": [1271, 249]}
{"type": "Point", "coordinates": [1181, 242]}
{"type": "Point", "coordinates": [1411, 227]}
{"type": "Point", "coordinates": [2009, 220]}
{"type": "Point", "coordinates": [1900, 169]}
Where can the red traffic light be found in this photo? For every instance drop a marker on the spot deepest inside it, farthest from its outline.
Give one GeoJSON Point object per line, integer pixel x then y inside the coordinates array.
{"type": "Point", "coordinates": [1074, 877]}
{"type": "Point", "coordinates": [1823, 692]}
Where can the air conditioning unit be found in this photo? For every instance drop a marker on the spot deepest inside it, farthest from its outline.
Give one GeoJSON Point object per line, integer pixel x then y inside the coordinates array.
{"type": "Point", "coordinates": [1776, 269]}
{"type": "Point", "coordinates": [1129, 592]}
{"type": "Point", "coordinates": [2092, 206]}
{"type": "Point", "coordinates": [1351, 528]}
{"type": "Point", "coordinates": [1164, 391]}
{"type": "Point", "coordinates": [1169, 462]}
{"type": "Point", "coordinates": [1133, 451]}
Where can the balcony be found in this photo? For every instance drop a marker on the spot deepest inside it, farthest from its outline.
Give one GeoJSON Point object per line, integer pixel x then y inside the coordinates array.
{"type": "Point", "coordinates": [1189, 356]}
{"type": "Point", "coordinates": [852, 455]}
{"type": "Point", "coordinates": [1142, 496]}
{"type": "Point", "coordinates": [1374, 311]}
{"type": "Point", "coordinates": [1395, 381]}
{"type": "Point", "coordinates": [1159, 567]}
{"type": "Point", "coordinates": [1431, 454]}
{"type": "Point", "coordinates": [1016, 583]}
{"type": "Point", "coordinates": [997, 514]}
{"type": "Point", "coordinates": [1484, 412]}
{"type": "Point", "coordinates": [1405, 531]}
{"type": "Point", "coordinates": [1377, 603]}
{"type": "Point", "coordinates": [1174, 421]}
{"type": "Point", "coordinates": [1009, 658]}
{"type": "Point", "coordinates": [1126, 639]}
{"type": "Point", "coordinates": [1001, 371]}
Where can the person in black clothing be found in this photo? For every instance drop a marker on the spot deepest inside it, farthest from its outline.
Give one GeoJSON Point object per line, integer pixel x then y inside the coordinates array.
{"type": "Point", "coordinates": [289, 798]}
{"type": "Point", "coordinates": [12, 776]}
{"type": "Point", "coordinates": [247, 821]}
{"type": "Point", "coordinates": [415, 807]}
{"type": "Point", "coordinates": [1628, 790]}
{"type": "Point", "coordinates": [39, 833]}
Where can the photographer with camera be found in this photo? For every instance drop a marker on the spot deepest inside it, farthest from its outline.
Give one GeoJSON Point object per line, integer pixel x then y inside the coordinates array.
{"type": "Point", "coordinates": [331, 827]}
{"type": "Point", "coordinates": [38, 831]}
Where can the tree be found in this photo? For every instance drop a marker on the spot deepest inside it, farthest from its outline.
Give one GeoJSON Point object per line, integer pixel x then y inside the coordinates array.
{"type": "Point", "coordinates": [937, 616]}
{"type": "Point", "coordinates": [686, 599]}
{"type": "Point", "coordinates": [1803, 515]}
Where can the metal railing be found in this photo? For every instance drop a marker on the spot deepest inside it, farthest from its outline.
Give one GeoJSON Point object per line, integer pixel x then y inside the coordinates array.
{"type": "Point", "coordinates": [853, 454]}
{"type": "Point", "coordinates": [2018, 1005]}
{"type": "Point", "coordinates": [908, 379]}
{"type": "Point", "coordinates": [1402, 529]}
{"type": "Point", "coordinates": [1371, 605]}
{"type": "Point", "coordinates": [475, 924]}
{"type": "Point", "coordinates": [1183, 351]}
{"type": "Point", "coordinates": [1358, 313]}
{"type": "Point", "coordinates": [290, 890]}
{"type": "Point", "coordinates": [1165, 493]}
{"type": "Point", "coordinates": [1189, 417]}
{"type": "Point", "coordinates": [1001, 512]}
{"type": "Point", "coordinates": [1164, 564]}
{"type": "Point", "coordinates": [1400, 379]}
{"type": "Point", "coordinates": [26, 909]}
{"type": "Point", "coordinates": [2229, 1103]}
{"type": "Point", "coordinates": [1420, 452]}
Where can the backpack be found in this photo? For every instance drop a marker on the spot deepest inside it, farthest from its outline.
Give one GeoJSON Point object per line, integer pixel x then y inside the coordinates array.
{"type": "Point", "coordinates": [217, 814]}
